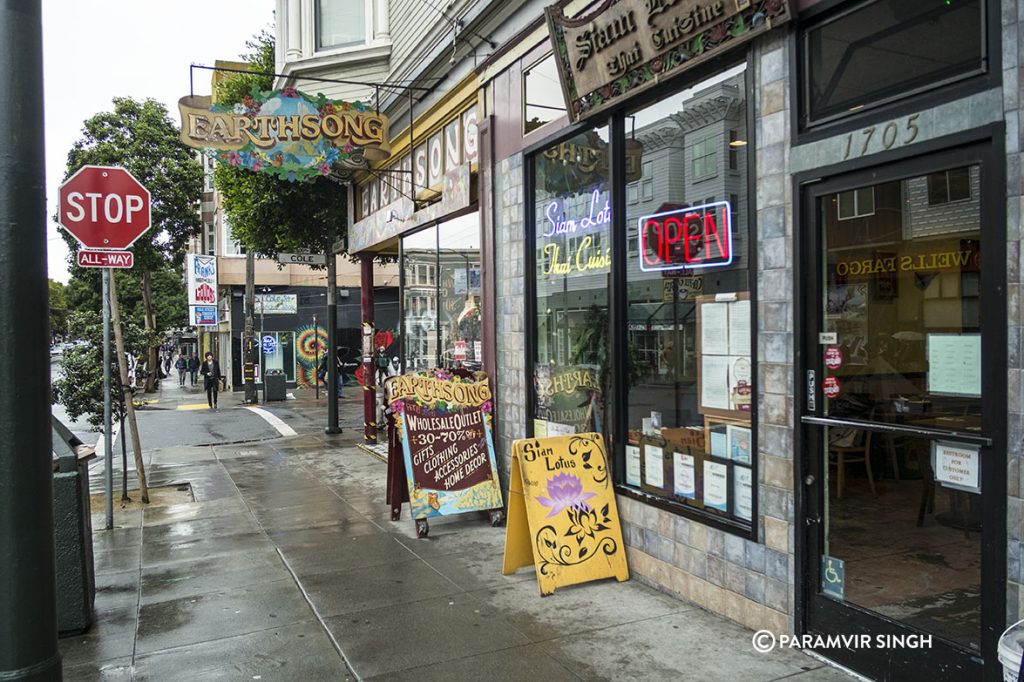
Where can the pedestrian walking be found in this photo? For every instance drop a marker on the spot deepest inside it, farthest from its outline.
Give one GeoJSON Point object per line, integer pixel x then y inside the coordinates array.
{"type": "Point", "coordinates": [182, 366]}
{"type": "Point", "coordinates": [193, 367]}
{"type": "Point", "coordinates": [211, 380]}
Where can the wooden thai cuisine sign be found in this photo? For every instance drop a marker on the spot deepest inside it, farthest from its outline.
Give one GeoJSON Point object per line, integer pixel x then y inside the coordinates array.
{"type": "Point", "coordinates": [445, 425]}
{"type": "Point", "coordinates": [625, 46]}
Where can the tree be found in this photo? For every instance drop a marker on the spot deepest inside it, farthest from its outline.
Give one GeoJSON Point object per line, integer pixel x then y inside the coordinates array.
{"type": "Point", "coordinates": [79, 388]}
{"type": "Point", "coordinates": [169, 302]}
{"type": "Point", "coordinates": [58, 309]}
{"type": "Point", "coordinates": [141, 137]}
{"type": "Point", "coordinates": [267, 215]}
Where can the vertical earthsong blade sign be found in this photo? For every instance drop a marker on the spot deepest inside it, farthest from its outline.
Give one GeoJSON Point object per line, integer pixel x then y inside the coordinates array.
{"type": "Point", "coordinates": [626, 46]}
{"type": "Point", "coordinates": [285, 133]}
{"type": "Point", "coordinates": [446, 427]}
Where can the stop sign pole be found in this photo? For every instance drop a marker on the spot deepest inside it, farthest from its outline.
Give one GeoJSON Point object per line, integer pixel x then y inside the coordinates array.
{"type": "Point", "coordinates": [106, 209]}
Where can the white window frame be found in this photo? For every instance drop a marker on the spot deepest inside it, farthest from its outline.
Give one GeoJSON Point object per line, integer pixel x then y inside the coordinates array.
{"type": "Point", "coordinates": [328, 49]}
{"type": "Point", "coordinates": [232, 248]}
{"type": "Point", "coordinates": [857, 213]}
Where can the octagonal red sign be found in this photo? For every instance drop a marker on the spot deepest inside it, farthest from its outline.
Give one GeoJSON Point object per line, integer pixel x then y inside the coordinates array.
{"type": "Point", "coordinates": [104, 207]}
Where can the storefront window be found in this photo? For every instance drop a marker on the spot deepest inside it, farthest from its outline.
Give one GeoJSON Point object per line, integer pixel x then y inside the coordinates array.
{"type": "Point", "coordinates": [441, 296]}
{"type": "Point", "coordinates": [459, 292]}
{"type": "Point", "coordinates": [419, 300]}
{"type": "Point", "coordinates": [572, 218]}
{"type": "Point", "coordinates": [904, 303]}
{"type": "Point", "coordinates": [279, 352]}
{"type": "Point", "coordinates": [689, 316]}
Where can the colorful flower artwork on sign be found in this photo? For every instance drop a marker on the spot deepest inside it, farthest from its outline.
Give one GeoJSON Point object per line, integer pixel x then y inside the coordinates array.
{"type": "Point", "coordinates": [285, 133]}
{"type": "Point", "coordinates": [562, 516]}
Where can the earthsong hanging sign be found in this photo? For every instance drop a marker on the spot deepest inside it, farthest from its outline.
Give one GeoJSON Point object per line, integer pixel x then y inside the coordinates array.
{"type": "Point", "coordinates": [285, 133]}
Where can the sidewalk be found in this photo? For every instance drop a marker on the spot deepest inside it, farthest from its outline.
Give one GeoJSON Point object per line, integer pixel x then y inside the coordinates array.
{"type": "Point", "coordinates": [287, 567]}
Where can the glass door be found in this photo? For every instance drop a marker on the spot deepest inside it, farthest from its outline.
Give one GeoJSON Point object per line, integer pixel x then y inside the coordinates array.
{"type": "Point", "coordinates": [898, 456]}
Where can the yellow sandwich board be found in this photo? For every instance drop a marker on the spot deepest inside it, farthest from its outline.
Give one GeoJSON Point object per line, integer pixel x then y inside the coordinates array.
{"type": "Point", "coordinates": [561, 512]}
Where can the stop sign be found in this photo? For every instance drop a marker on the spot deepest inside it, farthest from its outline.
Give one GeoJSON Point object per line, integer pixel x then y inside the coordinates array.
{"type": "Point", "coordinates": [104, 207]}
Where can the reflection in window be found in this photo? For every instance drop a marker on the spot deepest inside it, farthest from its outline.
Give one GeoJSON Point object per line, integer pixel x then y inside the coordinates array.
{"type": "Point", "coordinates": [903, 297]}
{"type": "Point", "coordinates": [340, 23]}
{"type": "Point", "coordinates": [947, 186]}
{"type": "Point", "coordinates": [441, 294]}
{"type": "Point", "coordinates": [857, 203]}
{"type": "Point", "coordinates": [419, 292]}
{"type": "Point", "coordinates": [689, 315]}
{"type": "Point", "coordinates": [887, 48]}
{"type": "Point", "coordinates": [542, 94]}
{"type": "Point", "coordinates": [572, 212]}
{"type": "Point", "coordinates": [705, 158]}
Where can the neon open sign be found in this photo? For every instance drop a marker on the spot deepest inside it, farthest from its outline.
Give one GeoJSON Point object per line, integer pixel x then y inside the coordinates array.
{"type": "Point", "coordinates": [692, 237]}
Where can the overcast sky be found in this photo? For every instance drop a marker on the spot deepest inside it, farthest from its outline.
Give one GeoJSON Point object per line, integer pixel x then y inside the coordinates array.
{"type": "Point", "coordinates": [101, 49]}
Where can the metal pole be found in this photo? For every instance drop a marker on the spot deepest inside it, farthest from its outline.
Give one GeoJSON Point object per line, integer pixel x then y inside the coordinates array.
{"type": "Point", "coordinates": [316, 353]}
{"type": "Point", "coordinates": [332, 339]}
{"type": "Point", "coordinates": [28, 593]}
{"type": "Point", "coordinates": [108, 446]}
{"type": "Point", "coordinates": [249, 346]}
{"type": "Point", "coordinates": [369, 389]}
{"type": "Point", "coordinates": [263, 358]}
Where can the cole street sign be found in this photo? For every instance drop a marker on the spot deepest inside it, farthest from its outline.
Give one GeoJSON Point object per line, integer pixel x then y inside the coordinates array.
{"type": "Point", "coordinates": [302, 258]}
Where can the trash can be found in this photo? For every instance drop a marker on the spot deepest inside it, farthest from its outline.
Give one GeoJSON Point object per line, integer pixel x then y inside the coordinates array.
{"type": "Point", "coordinates": [274, 387]}
{"type": "Point", "coordinates": [1011, 644]}
{"type": "Point", "coordinates": [72, 526]}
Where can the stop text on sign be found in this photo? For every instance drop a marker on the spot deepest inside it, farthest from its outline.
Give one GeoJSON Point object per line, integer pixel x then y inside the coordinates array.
{"type": "Point", "coordinates": [693, 237]}
{"type": "Point", "coordinates": [95, 206]}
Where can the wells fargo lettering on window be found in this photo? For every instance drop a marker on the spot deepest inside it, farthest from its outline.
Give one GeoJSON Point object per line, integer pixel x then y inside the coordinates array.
{"type": "Point", "coordinates": [967, 259]}
{"type": "Point", "coordinates": [625, 46]}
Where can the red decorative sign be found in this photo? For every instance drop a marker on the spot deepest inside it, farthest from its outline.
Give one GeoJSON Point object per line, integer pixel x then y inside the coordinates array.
{"type": "Point", "coordinates": [690, 237]}
{"type": "Point", "coordinates": [830, 387]}
{"type": "Point", "coordinates": [103, 207]}
{"type": "Point", "coordinates": [105, 259]}
{"type": "Point", "coordinates": [205, 294]}
{"type": "Point", "coordinates": [833, 357]}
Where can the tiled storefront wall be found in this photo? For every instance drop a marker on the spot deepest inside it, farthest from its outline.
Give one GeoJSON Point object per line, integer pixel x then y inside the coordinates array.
{"type": "Point", "coordinates": [750, 583]}
{"type": "Point", "coordinates": [509, 243]}
{"type": "Point", "coordinates": [1012, 15]}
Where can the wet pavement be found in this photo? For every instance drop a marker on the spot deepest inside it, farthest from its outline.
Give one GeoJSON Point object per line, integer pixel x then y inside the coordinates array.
{"type": "Point", "coordinates": [287, 567]}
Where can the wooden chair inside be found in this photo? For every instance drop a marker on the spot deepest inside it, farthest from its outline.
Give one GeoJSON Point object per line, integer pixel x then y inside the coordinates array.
{"type": "Point", "coordinates": [850, 446]}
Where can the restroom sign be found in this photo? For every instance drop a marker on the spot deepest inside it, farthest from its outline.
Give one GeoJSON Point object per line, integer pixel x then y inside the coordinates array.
{"type": "Point", "coordinates": [686, 237]}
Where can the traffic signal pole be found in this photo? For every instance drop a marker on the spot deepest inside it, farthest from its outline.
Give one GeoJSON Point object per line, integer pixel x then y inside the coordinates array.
{"type": "Point", "coordinates": [28, 602]}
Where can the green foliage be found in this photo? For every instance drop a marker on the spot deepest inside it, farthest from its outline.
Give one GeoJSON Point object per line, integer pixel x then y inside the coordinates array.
{"type": "Point", "coordinates": [170, 307]}
{"type": "Point", "coordinates": [141, 137]}
{"type": "Point", "coordinates": [266, 215]}
{"type": "Point", "coordinates": [58, 308]}
{"type": "Point", "coordinates": [80, 385]}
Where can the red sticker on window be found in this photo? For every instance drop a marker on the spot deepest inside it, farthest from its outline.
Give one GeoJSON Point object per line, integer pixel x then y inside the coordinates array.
{"type": "Point", "coordinates": [833, 357]}
{"type": "Point", "coordinates": [830, 387]}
